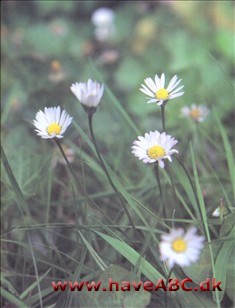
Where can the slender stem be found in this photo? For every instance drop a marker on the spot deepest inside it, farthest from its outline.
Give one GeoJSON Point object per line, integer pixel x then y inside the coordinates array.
{"type": "Point", "coordinates": [156, 171]}
{"type": "Point", "coordinates": [69, 165]}
{"type": "Point", "coordinates": [90, 116]}
{"type": "Point", "coordinates": [163, 116]}
{"type": "Point", "coordinates": [80, 185]}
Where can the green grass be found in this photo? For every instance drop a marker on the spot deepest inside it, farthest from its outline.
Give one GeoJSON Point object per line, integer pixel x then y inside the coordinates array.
{"type": "Point", "coordinates": [58, 225]}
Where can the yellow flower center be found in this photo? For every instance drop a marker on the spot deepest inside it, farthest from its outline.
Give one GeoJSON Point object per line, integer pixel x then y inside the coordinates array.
{"type": "Point", "coordinates": [162, 94]}
{"type": "Point", "coordinates": [54, 128]}
{"type": "Point", "coordinates": [179, 245]}
{"type": "Point", "coordinates": [195, 113]}
{"type": "Point", "coordinates": [156, 152]}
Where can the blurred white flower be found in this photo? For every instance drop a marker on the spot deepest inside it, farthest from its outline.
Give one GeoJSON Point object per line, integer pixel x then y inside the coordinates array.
{"type": "Point", "coordinates": [180, 247]}
{"type": "Point", "coordinates": [103, 19]}
{"type": "Point", "coordinates": [156, 91]}
{"type": "Point", "coordinates": [216, 212]}
{"type": "Point", "coordinates": [51, 123]}
{"type": "Point", "coordinates": [154, 147]}
{"type": "Point", "coordinates": [89, 94]}
{"type": "Point", "coordinates": [197, 113]}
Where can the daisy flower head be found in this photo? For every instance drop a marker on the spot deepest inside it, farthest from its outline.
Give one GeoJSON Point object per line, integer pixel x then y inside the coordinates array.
{"type": "Point", "coordinates": [197, 113]}
{"type": "Point", "coordinates": [102, 17]}
{"type": "Point", "coordinates": [52, 123]}
{"type": "Point", "coordinates": [103, 20]}
{"type": "Point", "coordinates": [158, 93]}
{"type": "Point", "coordinates": [216, 212]}
{"type": "Point", "coordinates": [89, 94]}
{"type": "Point", "coordinates": [180, 247]}
{"type": "Point", "coordinates": [154, 147]}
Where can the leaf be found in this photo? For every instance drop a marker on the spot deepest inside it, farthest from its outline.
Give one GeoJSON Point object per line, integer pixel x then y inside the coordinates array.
{"type": "Point", "coordinates": [202, 269]}
{"type": "Point", "coordinates": [228, 224]}
{"type": "Point", "coordinates": [115, 298]}
{"type": "Point", "coordinates": [230, 285]}
{"type": "Point", "coordinates": [133, 257]}
{"type": "Point", "coordinates": [33, 285]}
{"type": "Point", "coordinates": [184, 298]}
{"type": "Point", "coordinates": [228, 152]}
{"type": "Point", "coordinates": [12, 298]}
{"type": "Point", "coordinates": [221, 260]}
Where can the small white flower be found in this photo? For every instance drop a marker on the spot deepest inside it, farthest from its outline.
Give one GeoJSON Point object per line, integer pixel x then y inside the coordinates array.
{"type": "Point", "coordinates": [51, 123]}
{"type": "Point", "coordinates": [216, 212]}
{"type": "Point", "coordinates": [180, 247]}
{"type": "Point", "coordinates": [156, 91]}
{"type": "Point", "coordinates": [102, 17]}
{"type": "Point", "coordinates": [89, 94]}
{"type": "Point", "coordinates": [197, 113]}
{"type": "Point", "coordinates": [154, 147]}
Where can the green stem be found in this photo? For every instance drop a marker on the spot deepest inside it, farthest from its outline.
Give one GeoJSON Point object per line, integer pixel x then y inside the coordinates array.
{"type": "Point", "coordinates": [90, 116]}
{"type": "Point", "coordinates": [163, 116]}
{"type": "Point", "coordinates": [69, 165]}
{"type": "Point", "coordinates": [156, 171]}
{"type": "Point", "coordinates": [80, 185]}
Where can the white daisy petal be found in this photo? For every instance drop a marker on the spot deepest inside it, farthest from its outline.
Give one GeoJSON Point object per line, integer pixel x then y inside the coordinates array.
{"type": "Point", "coordinates": [161, 163]}
{"type": "Point", "coordinates": [173, 83]}
{"type": "Point", "coordinates": [155, 88]}
{"type": "Point", "coordinates": [152, 101]}
{"type": "Point", "coordinates": [154, 147]}
{"type": "Point", "coordinates": [177, 90]}
{"type": "Point", "coordinates": [180, 247]}
{"type": "Point", "coordinates": [175, 95]}
{"type": "Point", "coordinates": [57, 114]}
{"type": "Point", "coordinates": [89, 94]}
{"type": "Point", "coordinates": [51, 123]}
{"type": "Point", "coordinates": [160, 102]}
{"type": "Point", "coordinates": [146, 91]}
{"type": "Point", "coordinates": [157, 81]}
{"type": "Point", "coordinates": [150, 83]}
{"type": "Point", "coordinates": [197, 113]}
{"type": "Point", "coordinates": [163, 80]}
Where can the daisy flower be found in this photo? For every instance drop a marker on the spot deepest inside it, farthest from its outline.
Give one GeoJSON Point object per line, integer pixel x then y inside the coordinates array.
{"type": "Point", "coordinates": [102, 17]}
{"type": "Point", "coordinates": [154, 147]}
{"type": "Point", "coordinates": [157, 92]}
{"type": "Point", "coordinates": [103, 20]}
{"type": "Point", "coordinates": [51, 123]}
{"type": "Point", "coordinates": [180, 247]}
{"type": "Point", "coordinates": [197, 113]}
{"type": "Point", "coordinates": [216, 212]}
{"type": "Point", "coordinates": [89, 94]}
